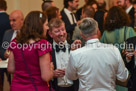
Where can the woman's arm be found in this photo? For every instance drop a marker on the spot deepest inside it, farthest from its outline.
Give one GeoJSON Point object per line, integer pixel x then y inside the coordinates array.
{"type": "Point", "coordinates": [46, 67]}
{"type": "Point", "coordinates": [11, 63]}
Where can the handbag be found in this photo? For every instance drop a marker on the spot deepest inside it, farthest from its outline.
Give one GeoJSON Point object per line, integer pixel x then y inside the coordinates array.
{"type": "Point", "coordinates": [28, 71]}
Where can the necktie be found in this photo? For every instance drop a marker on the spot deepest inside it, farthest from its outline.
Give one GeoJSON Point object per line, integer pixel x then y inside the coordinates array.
{"type": "Point", "coordinates": [58, 48]}
{"type": "Point", "coordinates": [72, 17]}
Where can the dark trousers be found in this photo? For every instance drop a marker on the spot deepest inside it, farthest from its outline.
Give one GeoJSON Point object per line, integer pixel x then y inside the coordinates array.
{"type": "Point", "coordinates": [2, 71]}
{"type": "Point", "coordinates": [74, 87]}
{"type": "Point", "coordinates": [1, 85]}
{"type": "Point", "coordinates": [71, 88]}
{"type": "Point", "coordinates": [130, 89]}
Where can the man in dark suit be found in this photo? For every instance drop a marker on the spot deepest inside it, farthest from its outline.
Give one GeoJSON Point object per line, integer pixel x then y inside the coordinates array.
{"type": "Point", "coordinates": [4, 19]}
{"type": "Point", "coordinates": [132, 17]}
{"type": "Point", "coordinates": [4, 25]}
{"type": "Point", "coordinates": [60, 56]}
{"type": "Point", "coordinates": [69, 17]}
{"type": "Point", "coordinates": [87, 11]}
{"type": "Point", "coordinates": [127, 5]}
{"type": "Point", "coordinates": [79, 11]}
{"type": "Point", "coordinates": [99, 15]}
{"type": "Point", "coordinates": [131, 11]}
{"type": "Point", "coordinates": [16, 22]}
{"type": "Point", "coordinates": [131, 63]}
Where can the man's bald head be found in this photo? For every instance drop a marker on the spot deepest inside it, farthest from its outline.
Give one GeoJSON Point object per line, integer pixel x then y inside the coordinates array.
{"type": "Point", "coordinates": [16, 19]}
{"type": "Point", "coordinates": [17, 13]}
{"type": "Point", "coordinates": [47, 4]}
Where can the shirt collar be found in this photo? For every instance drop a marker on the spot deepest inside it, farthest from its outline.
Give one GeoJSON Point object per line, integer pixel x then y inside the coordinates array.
{"type": "Point", "coordinates": [128, 9]}
{"type": "Point", "coordinates": [2, 11]}
{"type": "Point", "coordinates": [67, 11]}
{"type": "Point", "coordinates": [91, 41]}
{"type": "Point", "coordinates": [16, 31]}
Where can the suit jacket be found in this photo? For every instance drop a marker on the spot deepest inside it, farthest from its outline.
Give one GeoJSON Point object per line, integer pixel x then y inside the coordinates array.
{"type": "Point", "coordinates": [132, 17]}
{"type": "Point", "coordinates": [131, 66]}
{"type": "Point", "coordinates": [99, 17]}
{"type": "Point", "coordinates": [69, 27]}
{"type": "Point", "coordinates": [4, 25]}
{"type": "Point", "coordinates": [7, 38]}
{"type": "Point", "coordinates": [54, 81]}
{"type": "Point", "coordinates": [78, 13]}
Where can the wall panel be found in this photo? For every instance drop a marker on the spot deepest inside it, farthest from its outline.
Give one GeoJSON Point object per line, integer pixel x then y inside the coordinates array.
{"type": "Point", "coordinates": [29, 5]}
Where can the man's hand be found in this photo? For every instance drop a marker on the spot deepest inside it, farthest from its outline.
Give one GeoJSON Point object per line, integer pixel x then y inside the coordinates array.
{"type": "Point", "coordinates": [128, 56]}
{"type": "Point", "coordinates": [76, 44]}
{"type": "Point", "coordinates": [78, 22]}
{"type": "Point", "coordinates": [6, 54]}
{"type": "Point", "coordinates": [59, 73]}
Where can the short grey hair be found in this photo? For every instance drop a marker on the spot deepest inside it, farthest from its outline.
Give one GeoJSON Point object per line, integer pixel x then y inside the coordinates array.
{"type": "Point", "coordinates": [88, 27]}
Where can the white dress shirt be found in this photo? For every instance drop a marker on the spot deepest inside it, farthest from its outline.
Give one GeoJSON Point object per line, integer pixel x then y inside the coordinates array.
{"type": "Point", "coordinates": [14, 34]}
{"type": "Point", "coordinates": [68, 13]}
{"type": "Point", "coordinates": [62, 59]}
{"type": "Point", "coordinates": [97, 66]}
{"type": "Point", "coordinates": [128, 9]}
{"type": "Point", "coordinates": [2, 11]}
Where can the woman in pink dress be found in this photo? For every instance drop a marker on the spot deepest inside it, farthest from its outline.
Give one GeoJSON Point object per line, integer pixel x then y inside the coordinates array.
{"type": "Point", "coordinates": [30, 59]}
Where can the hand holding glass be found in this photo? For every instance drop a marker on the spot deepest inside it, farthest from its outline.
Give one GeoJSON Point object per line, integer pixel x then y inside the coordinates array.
{"type": "Point", "coordinates": [130, 51]}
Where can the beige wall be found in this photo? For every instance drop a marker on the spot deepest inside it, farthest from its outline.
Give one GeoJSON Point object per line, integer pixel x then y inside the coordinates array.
{"type": "Point", "coordinates": [29, 5]}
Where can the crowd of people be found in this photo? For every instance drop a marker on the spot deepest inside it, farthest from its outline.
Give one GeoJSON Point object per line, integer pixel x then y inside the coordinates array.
{"type": "Point", "coordinates": [73, 49]}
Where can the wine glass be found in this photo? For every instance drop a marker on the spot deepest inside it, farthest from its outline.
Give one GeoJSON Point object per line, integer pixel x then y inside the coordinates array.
{"type": "Point", "coordinates": [8, 52]}
{"type": "Point", "coordinates": [130, 51]}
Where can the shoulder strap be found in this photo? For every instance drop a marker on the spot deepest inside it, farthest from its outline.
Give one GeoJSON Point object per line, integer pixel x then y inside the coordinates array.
{"type": "Point", "coordinates": [125, 33]}
{"type": "Point", "coordinates": [28, 70]}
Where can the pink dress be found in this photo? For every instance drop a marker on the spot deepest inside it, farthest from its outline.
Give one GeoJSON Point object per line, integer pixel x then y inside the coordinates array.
{"type": "Point", "coordinates": [21, 79]}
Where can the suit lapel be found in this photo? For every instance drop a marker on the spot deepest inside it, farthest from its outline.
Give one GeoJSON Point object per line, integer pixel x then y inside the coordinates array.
{"type": "Point", "coordinates": [65, 18]}
{"type": "Point", "coordinates": [8, 36]}
{"type": "Point", "coordinates": [54, 58]}
{"type": "Point", "coordinates": [11, 35]}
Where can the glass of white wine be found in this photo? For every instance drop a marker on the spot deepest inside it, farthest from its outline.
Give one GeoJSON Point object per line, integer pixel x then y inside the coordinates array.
{"type": "Point", "coordinates": [8, 52]}
{"type": "Point", "coordinates": [130, 51]}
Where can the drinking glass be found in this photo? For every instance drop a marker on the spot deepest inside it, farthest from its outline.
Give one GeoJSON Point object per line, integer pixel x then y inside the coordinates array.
{"type": "Point", "coordinates": [7, 52]}
{"type": "Point", "coordinates": [130, 51]}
